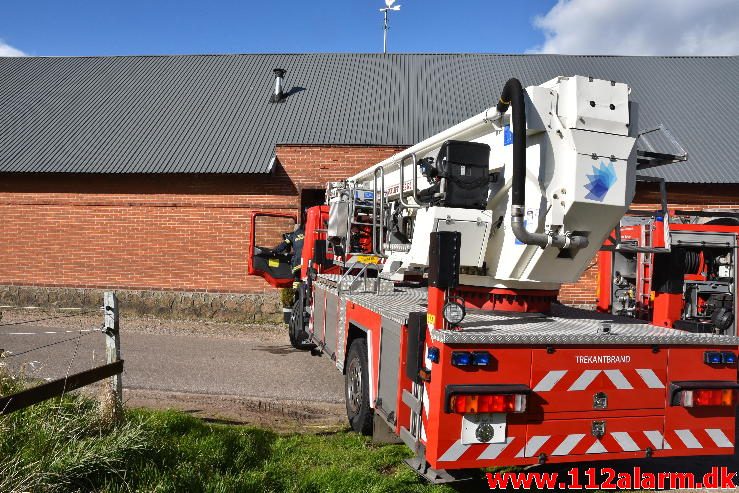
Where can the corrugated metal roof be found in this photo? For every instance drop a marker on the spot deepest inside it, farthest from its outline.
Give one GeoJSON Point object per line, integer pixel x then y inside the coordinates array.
{"type": "Point", "coordinates": [211, 113]}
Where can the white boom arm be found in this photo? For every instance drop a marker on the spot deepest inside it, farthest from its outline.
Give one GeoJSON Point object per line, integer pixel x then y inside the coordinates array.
{"type": "Point", "coordinates": [470, 129]}
{"type": "Point", "coordinates": [562, 174]}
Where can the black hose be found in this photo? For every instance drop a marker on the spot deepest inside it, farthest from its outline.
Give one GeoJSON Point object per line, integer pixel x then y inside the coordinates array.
{"type": "Point", "coordinates": [692, 262]}
{"type": "Point", "coordinates": [513, 95]}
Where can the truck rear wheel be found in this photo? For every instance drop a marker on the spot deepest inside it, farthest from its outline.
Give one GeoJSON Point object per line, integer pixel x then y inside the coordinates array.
{"type": "Point", "coordinates": [356, 393]}
{"type": "Point", "coordinates": [296, 328]}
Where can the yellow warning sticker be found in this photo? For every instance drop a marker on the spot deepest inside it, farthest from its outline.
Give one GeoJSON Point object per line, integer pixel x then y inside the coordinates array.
{"type": "Point", "coordinates": [430, 319]}
{"type": "Point", "coordinates": [368, 259]}
{"type": "Point", "coordinates": [273, 262]}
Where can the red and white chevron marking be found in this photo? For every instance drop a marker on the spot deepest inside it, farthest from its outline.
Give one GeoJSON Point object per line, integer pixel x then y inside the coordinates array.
{"type": "Point", "coordinates": [569, 380]}
{"type": "Point", "coordinates": [425, 413]}
{"type": "Point", "coordinates": [582, 444]}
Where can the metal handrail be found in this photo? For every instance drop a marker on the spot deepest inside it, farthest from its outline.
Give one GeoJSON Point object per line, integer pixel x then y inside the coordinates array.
{"type": "Point", "coordinates": [362, 273]}
{"type": "Point", "coordinates": [349, 216]}
{"type": "Point", "coordinates": [664, 211]}
{"type": "Point", "coordinates": [375, 249]}
{"type": "Point", "coordinates": [402, 181]}
{"type": "Point", "coordinates": [341, 280]}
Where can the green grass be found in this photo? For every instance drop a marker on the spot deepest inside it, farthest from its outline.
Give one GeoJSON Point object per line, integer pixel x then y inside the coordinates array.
{"type": "Point", "coordinates": [66, 446]}
{"type": "Point", "coordinates": [196, 456]}
{"type": "Point", "coordinates": [70, 445]}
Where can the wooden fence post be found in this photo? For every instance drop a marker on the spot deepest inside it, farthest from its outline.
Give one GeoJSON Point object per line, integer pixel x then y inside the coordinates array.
{"type": "Point", "coordinates": [113, 341]}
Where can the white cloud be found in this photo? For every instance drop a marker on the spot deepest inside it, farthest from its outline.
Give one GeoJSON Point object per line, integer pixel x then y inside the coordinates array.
{"type": "Point", "coordinates": [641, 27]}
{"type": "Point", "coordinates": [7, 50]}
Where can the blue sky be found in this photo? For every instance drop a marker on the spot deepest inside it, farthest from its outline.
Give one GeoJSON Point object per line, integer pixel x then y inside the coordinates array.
{"type": "Point", "coordinates": [109, 27]}
{"type": "Point", "coordinates": [103, 27]}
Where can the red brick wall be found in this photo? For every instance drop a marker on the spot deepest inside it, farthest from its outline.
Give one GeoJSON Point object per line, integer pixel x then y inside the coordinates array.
{"type": "Point", "coordinates": [686, 197]}
{"type": "Point", "coordinates": [170, 232]}
{"type": "Point", "coordinates": [190, 232]}
{"type": "Point", "coordinates": [178, 232]}
{"type": "Point", "coordinates": [314, 166]}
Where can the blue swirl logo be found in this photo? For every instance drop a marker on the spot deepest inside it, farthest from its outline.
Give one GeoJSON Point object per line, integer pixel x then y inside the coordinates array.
{"type": "Point", "coordinates": [602, 179]}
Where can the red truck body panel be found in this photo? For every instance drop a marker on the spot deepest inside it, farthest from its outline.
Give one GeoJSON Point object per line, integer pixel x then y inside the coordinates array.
{"type": "Point", "coordinates": [639, 420]}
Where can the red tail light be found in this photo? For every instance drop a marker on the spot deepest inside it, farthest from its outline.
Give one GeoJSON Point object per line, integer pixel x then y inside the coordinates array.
{"type": "Point", "coordinates": [707, 397]}
{"type": "Point", "coordinates": [495, 403]}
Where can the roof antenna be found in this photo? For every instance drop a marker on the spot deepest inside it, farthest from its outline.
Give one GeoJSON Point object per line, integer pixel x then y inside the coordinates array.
{"type": "Point", "coordinates": [389, 6]}
{"type": "Point", "coordinates": [278, 95]}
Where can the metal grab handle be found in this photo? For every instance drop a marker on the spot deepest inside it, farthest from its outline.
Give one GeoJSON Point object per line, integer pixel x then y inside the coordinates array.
{"type": "Point", "coordinates": [377, 248]}
{"type": "Point", "coordinates": [414, 182]}
{"type": "Point", "coordinates": [363, 273]}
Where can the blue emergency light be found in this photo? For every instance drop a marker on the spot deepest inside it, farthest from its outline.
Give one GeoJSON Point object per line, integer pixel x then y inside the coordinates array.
{"type": "Point", "coordinates": [433, 354]}
{"type": "Point", "coordinates": [476, 358]}
{"type": "Point", "coordinates": [481, 358]}
{"type": "Point", "coordinates": [712, 358]}
{"type": "Point", "coordinates": [728, 357]}
{"type": "Point", "coordinates": [461, 358]}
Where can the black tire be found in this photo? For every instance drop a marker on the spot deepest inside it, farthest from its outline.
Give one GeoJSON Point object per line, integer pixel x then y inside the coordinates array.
{"type": "Point", "coordinates": [296, 328]}
{"type": "Point", "coordinates": [356, 388]}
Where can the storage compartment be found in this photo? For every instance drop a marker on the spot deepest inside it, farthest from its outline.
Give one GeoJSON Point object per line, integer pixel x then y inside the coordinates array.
{"type": "Point", "coordinates": [593, 436]}
{"type": "Point", "coordinates": [388, 374]}
{"type": "Point", "coordinates": [604, 379]}
{"type": "Point", "coordinates": [318, 320]}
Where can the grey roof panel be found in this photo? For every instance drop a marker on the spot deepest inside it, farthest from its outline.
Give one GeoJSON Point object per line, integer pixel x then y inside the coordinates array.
{"type": "Point", "coordinates": [211, 113]}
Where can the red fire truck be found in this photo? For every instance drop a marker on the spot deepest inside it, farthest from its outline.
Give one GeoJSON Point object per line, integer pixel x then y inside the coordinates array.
{"type": "Point", "coordinates": [446, 323]}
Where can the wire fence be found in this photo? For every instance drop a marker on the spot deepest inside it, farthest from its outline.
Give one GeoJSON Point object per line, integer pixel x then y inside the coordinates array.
{"type": "Point", "coordinates": [82, 333]}
{"type": "Point", "coordinates": [46, 319]}
{"type": "Point", "coordinates": [64, 361]}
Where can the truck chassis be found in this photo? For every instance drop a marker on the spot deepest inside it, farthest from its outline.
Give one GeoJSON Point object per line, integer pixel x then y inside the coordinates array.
{"type": "Point", "coordinates": [597, 387]}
